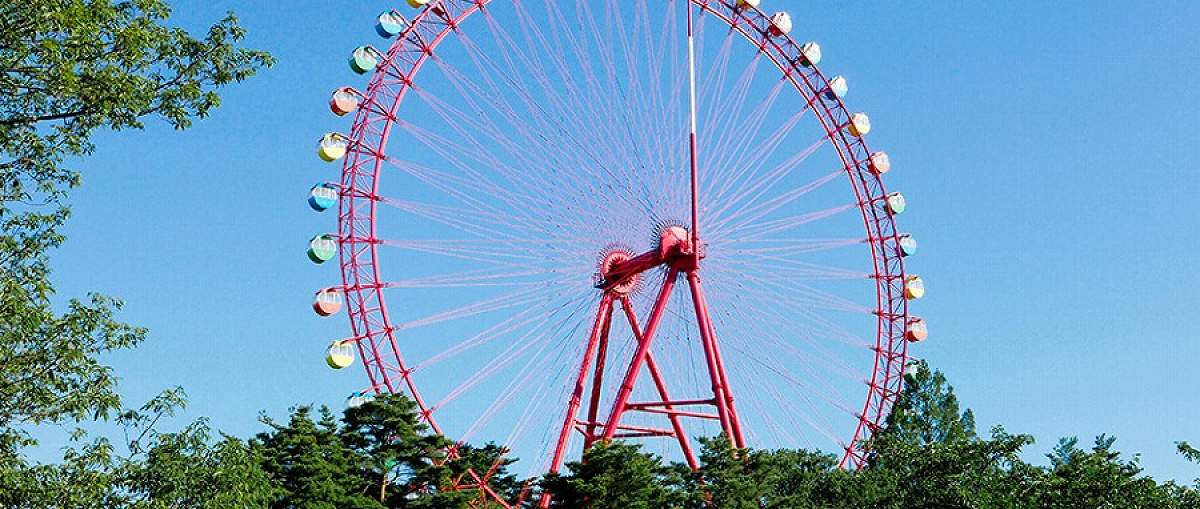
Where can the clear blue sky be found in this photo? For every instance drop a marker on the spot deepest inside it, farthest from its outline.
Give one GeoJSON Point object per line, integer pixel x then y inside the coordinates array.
{"type": "Point", "coordinates": [1045, 150]}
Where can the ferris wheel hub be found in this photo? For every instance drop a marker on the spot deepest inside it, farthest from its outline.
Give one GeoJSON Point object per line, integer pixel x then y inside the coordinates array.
{"type": "Point", "coordinates": [619, 284]}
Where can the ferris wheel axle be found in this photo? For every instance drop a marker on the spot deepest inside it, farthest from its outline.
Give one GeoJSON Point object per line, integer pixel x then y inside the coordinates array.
{"type": "Point", "coordinates": [676, 250]}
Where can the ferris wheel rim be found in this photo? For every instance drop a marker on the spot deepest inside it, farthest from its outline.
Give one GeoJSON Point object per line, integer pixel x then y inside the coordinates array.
{"type": "Point", "coordinates": [372, 327]}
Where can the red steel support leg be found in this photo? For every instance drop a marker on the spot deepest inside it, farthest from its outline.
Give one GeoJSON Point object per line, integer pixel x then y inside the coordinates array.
{"type": "Point", "coordinates": [716, 368]}
{"type": "Point", "coordinates": [661, 385]}
{"type": "Point", "coordinates": [598, 383]}
{"type": "Point", "coordinates": [603, 318]}
{"type": "Point", "coordinates": [639, 358]}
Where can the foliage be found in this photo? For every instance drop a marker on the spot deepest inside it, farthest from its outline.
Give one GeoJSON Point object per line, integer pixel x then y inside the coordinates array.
{"type": "Point", "coordinates": [185, 469]}
{"type": "Point", "coordinates": [614, 475]}
{"type": "Point", "coordinates": [68, 67]}
{"type": "Point", "coordinates": [378, 455]}
{"type": "Point", "coordinates": [310, 466]}
{"type": "Point", "coordinates": [733, 478]}
{"type": "Point", "coordinates": [51, 370]}
{"type": "Point", "coordinates": [928, 412]}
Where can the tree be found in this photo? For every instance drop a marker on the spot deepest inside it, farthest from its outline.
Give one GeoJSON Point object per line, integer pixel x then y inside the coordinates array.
{"type": "Point", "coordinates": [67, 68]}
{"type": "Point", "coordinates": [615, 476]}
{"type": "Point", "coordinates": [1097, 478]}
{"type": "Point", "coordinates": [927, 411]}
{"type": "Point", "coordinates": [378, 455]}
{"type": "Point", "coordinates": [732, 478]}
{"type": "Point", "coordinates": [185, 469]}
{"type": "Point", "coordinates": [400, 460]}
{"type": "Point", "coordinates": [311, 467]}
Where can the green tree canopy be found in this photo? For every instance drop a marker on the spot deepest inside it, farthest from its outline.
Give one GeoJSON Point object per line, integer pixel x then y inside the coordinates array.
{"type": "Point", "coordinates": [67, 68]}
{"type": "Point", "coordinates": [615, 476]}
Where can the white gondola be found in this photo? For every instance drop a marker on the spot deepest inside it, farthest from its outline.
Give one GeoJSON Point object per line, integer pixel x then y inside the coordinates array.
{"type": "Point", "coordinates": [781, 24]}
{"type": "Point", "coordinates": [914, 288]}
{"type": "Point", "coordinates": [390, 24]}
{"type": "Point", "coordinates": [810, 54]}
{"type": "Point", "coordinates": [880, 163]}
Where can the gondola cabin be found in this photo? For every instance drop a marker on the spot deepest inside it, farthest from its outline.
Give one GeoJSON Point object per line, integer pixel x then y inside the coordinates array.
{"type": "Point", "coordinates": [332, 147]}
{"type": "Point", "coordinates": [781, 24]}
{"type": "Point", "coordinates": [321, 248]}
{"type": "Point", "coordinates": [327, 302]}
{"type": "Point", "coordinates": [914, 288]}
{"type": "Point", "coordinates": [322, 196]}
{"type": "Point", "coordinates": [390, 24]}
{"type": "Point", "coordinates": [356, 399]}
{"type": "Point", "coordinates": [364, 59]}
{"type": "Point", "coordinates": [810, 54]}
{"type": "Point", "coordinates": [880, 163]}
{"type": "Point", "coordinates": [859, 124]}
{"type": "Point", "coordinates": [917, 330]}
{"type": "Point", "coordinates": [912, 367]}
{"type": "Point", "coordinates": [896, 203]}
{"type": "Point", "coordinates": [344, 100]}
{"type": "Point", "coordinates": [908, 245]}
{"type": "Point", "coordinates": [340, 354]}
{"type": "Point", "coordinates": [837, 88]}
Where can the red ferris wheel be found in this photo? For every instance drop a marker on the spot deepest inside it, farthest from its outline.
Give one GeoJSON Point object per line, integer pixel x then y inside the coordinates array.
{"type": "Point", "coordinates": [650, 220]}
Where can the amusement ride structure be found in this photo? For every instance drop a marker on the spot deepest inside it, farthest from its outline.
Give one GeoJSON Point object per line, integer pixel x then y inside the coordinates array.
{"type": "Point", "coordinates": [609, 219]}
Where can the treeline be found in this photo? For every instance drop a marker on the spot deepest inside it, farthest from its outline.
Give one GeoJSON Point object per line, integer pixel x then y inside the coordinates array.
{"type": "Point", "coordinates": [378, 455]}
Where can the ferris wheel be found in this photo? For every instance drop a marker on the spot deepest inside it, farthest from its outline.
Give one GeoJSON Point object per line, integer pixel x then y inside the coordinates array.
{"type": "Point", "coordinates": [653, 220]}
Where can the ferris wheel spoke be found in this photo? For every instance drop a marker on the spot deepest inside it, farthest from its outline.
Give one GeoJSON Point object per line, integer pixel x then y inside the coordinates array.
{"type": "Point", "coordinates": [469, 191]}
{"type": "Point", "coordinates": [581, 111]}
{"type": "Point", "coordinates": [805, 295]}
{"type": "Point", "coordinates": [522, 318]}
{"type": "Point", "coordinates": [808, 334]}
{"type": "Point", "coordinates": [763, 364]}
{"type": "Point", "coordinates": [579, 148]}
{"type": "Point", "coordinates": [533, 377]}
{"type": "Point", "coordinates": [789, 248]}
{"type": "Point", "coordinates": [789, 424]}
{"type": "Point", "coordinates": [602, 101]}
{"type": "Point", "coordinates": [737, 137]}
{"type": "Point", "coordinates": [744, 160]}
{"type": "Point", "coordinates": [766, 229]}
{"type": "Point", "coordinates": [729, 127]}
{"type": "Point", "coordinates": [536, 148]}
{"type": "Point", "coordinates": [464, 220]}
{"type": "Point", "coordinates": [450, 150]}
{"type": "Point", "coordinates": [519, 249]}
{"type": "Point", "coordinates": [540, 334]}
{"type": "Point", "coordinates": [814, 332]}
{"type": "Point", "coordinates": [797, 271]}
{"type": "Point", "coordinates": [755, 187]}
{"type": "Point", "coordinates": [465, 191]}
{"type": "Point", "coordinates": [516, 299]}
{"type": "Point", "coordinates": [477, 277]}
